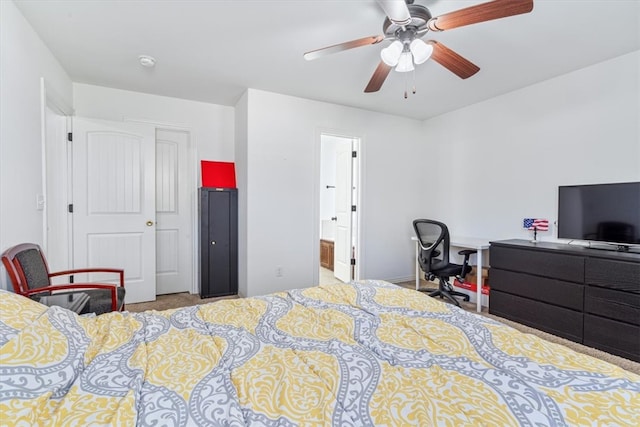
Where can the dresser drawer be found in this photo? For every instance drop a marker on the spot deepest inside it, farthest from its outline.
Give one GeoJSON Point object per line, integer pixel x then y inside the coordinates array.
{"type": "Point", "coordinates": [617, 305]}
{"type": "Point", "coordinates": [612, 336]}
{"type": "Point", "coordinates": [606, 273]}
{"type": "Point", "coordinates": [540, 263]}
{"type": "Point", "coordinates": [552, 291]}
{"type": "Point", "coordinates": [549, 318]}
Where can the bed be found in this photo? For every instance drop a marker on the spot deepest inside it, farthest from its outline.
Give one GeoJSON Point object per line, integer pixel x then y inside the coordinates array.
{"type": "Point", "coordinates": [366, 353]}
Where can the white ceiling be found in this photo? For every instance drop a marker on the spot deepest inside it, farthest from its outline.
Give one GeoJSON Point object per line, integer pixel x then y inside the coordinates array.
{"type": "Point", "coordinates": [212, 50]}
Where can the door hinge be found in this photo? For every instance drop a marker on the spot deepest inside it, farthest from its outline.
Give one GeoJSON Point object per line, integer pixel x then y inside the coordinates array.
{"type": "Point", "coordinates": [71, 279]}
{"type": "Point", "coordinates": [353, 261]}
{"type": "Point", "coordinates": [70, 207]}
{"type": "Point", "coordinates": [353, 208]}
{"type": "Point", "coordinates": [70, 136]}
{"type": "Point", "coordinates": [354, 154]}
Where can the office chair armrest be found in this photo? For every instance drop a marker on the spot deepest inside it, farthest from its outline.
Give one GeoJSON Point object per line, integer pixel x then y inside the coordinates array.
{"type": "Point", "coordinates": [118, 271]}
{"type": "Point", "coordinates": [467, 252]}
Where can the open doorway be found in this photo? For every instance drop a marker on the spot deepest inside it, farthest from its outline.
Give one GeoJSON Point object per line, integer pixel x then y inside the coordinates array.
{"type": "Point", "coordinates": [338, 210]}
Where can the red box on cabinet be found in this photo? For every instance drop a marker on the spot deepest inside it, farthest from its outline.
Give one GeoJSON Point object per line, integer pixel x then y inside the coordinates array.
{"type": "Point", "coordinates": [218, 174]}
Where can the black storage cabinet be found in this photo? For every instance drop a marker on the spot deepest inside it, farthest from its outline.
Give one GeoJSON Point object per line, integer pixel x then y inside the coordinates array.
{"type": "Point", "coordinates": [218, 242]}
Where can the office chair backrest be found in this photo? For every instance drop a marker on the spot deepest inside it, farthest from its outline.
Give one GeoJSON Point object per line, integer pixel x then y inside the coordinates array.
{"type": "Point", "coordinates": [433, 237]}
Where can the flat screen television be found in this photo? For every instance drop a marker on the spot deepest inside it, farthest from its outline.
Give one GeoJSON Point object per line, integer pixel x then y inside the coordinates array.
{"type": "Point", "coordinates": [602, 212]}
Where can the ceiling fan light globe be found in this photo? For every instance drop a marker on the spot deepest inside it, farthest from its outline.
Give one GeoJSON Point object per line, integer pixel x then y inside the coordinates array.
{"type": "Point", "coordinates": [421, 51]}
{"type": "Point", "coordinates": [405, 64]}
{"type": "Point", "coordinates": [391, 54]}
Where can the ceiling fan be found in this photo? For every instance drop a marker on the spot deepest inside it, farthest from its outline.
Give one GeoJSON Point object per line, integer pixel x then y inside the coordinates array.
{"type": "Point", "coordinates": [407, 23]}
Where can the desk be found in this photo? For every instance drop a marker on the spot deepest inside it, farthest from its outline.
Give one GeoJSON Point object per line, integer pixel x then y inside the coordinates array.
{"type": "Point", "coordinates": [462, 242]}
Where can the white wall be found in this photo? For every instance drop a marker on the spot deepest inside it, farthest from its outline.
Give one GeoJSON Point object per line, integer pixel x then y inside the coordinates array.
{"type": "Point", "coordinates": [25, 60]}
{"type": "Point", "coordinates": [211, 126]}
{"type": "Point", "coordinates": [502, 160]}
{"type": "Point", "coordinates": [282, 185]}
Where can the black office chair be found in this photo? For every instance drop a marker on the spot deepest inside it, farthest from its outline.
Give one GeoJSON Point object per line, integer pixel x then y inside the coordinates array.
{"type": "Point", "coordinates": [434, 240]}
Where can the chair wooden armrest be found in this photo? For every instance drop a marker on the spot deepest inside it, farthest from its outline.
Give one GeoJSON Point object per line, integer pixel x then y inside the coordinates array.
{"type": "Point", "coordinates": [90, 270]}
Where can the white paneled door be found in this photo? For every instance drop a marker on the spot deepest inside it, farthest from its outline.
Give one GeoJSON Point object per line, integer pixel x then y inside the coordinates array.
{"type": "Point", "coordinates": [173, 213]}
{"type": "Point", "coordinates": [114, 219]}
{"type": "Point", "coordinates": [342, 243]}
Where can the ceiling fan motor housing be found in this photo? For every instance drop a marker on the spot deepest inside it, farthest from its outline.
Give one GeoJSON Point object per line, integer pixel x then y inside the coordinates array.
{"type": "Point", "coordinates": [420, 15]}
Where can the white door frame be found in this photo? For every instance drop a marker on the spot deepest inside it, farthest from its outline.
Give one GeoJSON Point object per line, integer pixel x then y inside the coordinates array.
{"type": "Point", "coordinates": [50, 99]}
{"type": "Point", "coordinates": [359, 202]}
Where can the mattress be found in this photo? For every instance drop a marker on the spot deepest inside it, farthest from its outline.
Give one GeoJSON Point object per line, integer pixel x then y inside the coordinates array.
{"type": "Point", "coordinates": [359, 354]}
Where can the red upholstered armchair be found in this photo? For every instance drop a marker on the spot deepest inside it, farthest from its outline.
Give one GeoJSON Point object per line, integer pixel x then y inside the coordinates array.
{"type": "Point", "coordinates": [29, 273]}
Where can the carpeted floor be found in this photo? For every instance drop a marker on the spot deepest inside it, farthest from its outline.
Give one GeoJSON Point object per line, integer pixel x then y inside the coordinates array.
{"type": "Point", "coordinates": [165, 302]}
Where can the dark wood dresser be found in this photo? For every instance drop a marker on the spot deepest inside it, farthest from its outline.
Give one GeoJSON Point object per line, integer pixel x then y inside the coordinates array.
{"type": "Point", "coordinates": [586, 295]}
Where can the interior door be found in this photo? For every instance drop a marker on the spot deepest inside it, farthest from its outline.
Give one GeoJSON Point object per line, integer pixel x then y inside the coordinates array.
{"type": "Point", "coordinates": [342, 244]}
{"type": "Point", "coordinates": [173, 213]}
{"type": "Point", "coordinates": [114, 202]}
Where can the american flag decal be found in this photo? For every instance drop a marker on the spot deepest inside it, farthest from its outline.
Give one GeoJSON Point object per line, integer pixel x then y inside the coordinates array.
{"type": "Point", "coordinates": [536, 223]}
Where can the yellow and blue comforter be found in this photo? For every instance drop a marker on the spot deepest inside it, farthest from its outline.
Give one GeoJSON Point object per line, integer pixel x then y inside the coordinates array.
{"type": "Point", "coordinates": [363, 354]}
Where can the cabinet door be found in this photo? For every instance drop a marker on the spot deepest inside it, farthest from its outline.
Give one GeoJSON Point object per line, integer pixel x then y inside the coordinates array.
{"type": "Point", "coordinates": [326, 254]}
{"type": "Point", "coordinates": [219, 243]}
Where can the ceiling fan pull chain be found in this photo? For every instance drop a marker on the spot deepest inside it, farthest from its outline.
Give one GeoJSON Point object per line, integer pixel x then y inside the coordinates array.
{"type": "Point", "coordinates": [414, 81]}
{"type": "Point", "coordinates": [405, 86]}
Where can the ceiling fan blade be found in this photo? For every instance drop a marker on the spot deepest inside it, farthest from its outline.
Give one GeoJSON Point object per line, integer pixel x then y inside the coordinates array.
{"type": "Point", "coordinates": [453, 62]}
{"type": "Point", "coordinates": [342, 46]}
{"type": "Point", "coordinates": [480, 13]}
{"type": "Point", "coordinates": [378, 78]}
{"type": "Point", "coordinates": [396, 10]}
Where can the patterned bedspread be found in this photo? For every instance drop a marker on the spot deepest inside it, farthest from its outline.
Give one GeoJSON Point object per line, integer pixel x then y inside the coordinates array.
{"type": "Point", "coordinates": [368, 353]}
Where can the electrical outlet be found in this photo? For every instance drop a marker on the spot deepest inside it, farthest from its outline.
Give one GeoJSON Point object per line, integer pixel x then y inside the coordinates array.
{"type": "Point", "coordinates": [279, 271]}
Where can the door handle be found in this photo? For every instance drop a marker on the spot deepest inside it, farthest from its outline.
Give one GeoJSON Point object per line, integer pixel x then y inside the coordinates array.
{"type": "Point", "coordinates": [149, 223]}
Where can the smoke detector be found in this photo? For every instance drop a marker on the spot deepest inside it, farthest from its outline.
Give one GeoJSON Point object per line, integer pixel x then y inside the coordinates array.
{"type": "Point", "coordinates": [147, 61]}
